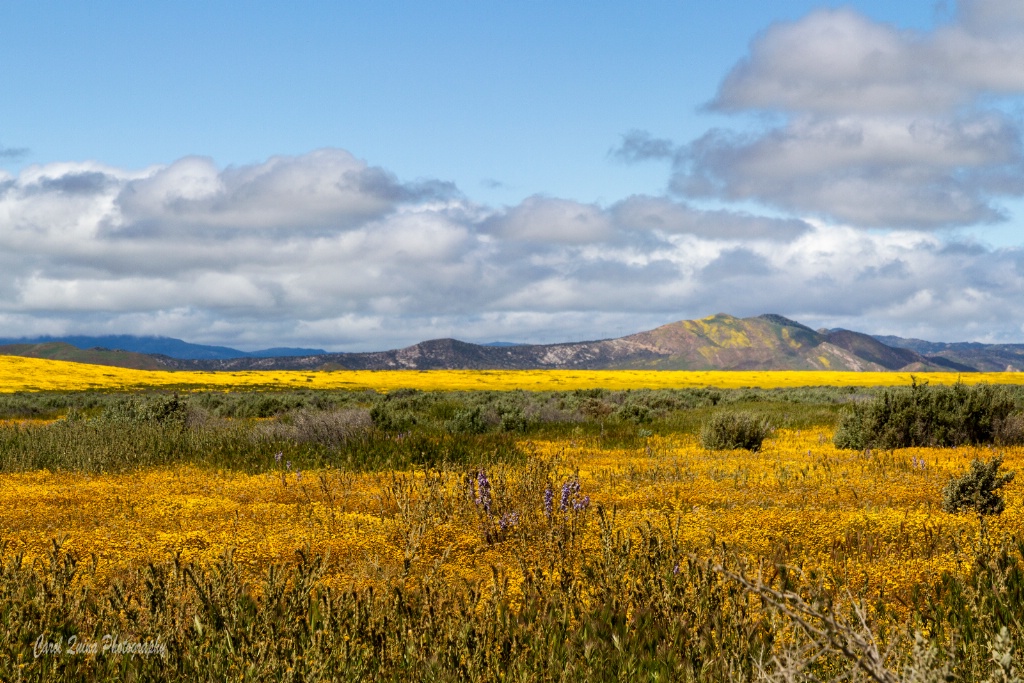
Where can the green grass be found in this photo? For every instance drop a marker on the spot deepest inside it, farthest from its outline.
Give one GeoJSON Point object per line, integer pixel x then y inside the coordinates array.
{"type": "Point", "coordinates": [112, 432]}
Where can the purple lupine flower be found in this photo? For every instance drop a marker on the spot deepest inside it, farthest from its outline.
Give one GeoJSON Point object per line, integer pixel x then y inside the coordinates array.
{"type": "Point", "coordinates": [581, 505]}
{"type": "Point", "coordinates": [288, 465]}
{"type": "Point", "coordinates": [483, 496]}
{"type": "Point", "coordinates": [278, 456]}
{"type": "Point", "coordinates": [508, 520]}
{"type": "Point", "coordinates": [298, 476]}
{"type": "Point", "coordinates": [549, 501]}
{"type": "Point", "coordinates": [569, 489]}
{"type": "Point", "coordinates": [675, 569]}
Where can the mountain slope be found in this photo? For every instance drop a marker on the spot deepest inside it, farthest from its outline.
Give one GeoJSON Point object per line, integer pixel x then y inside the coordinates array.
{"type": "Point", "coordinates": [718, 342]}
{"type": "Point", "coordinates": [768, 342]}
{"type": "Point", "coordinates": [63, 351]}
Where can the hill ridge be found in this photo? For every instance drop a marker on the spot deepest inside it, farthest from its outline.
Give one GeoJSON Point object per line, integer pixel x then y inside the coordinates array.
{"type": "Point", "coordinates": [716, 342]}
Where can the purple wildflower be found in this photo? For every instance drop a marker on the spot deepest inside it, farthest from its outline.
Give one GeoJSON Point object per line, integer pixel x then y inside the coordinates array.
{"type": "Point", "coordinates": [508, 520]}
{"type": "Point", "coordinates": [549, 501]}
{"type": "Point", "coordinates": [569, 489]}
{"type": "Point", "coordinates": [298, 475]}
{"type": "Point", "coordinates": [288, 465]}
{"type": "Point", "coordinates": [278, 456]}
{"type": "Point", "coordinates": [582, 504]}
{"type": "Point", "coordinates": [675, 569]}
{"type": "Point", "coordinates": [483, 496]}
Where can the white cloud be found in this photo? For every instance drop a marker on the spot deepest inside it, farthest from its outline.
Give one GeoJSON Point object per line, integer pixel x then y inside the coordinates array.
{"type": "Point", "coordinates": [426, 264]}
{"type": "Point", "coordinates": [840, 62]}
{"type": "Point", "coordinates": [547, 220]}
{"type": "Point", "coordinates": [882, 127]}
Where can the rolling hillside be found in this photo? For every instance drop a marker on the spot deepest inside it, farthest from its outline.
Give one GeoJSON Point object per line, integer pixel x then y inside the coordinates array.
{"type": "Point", "coordinates": [718, 342]}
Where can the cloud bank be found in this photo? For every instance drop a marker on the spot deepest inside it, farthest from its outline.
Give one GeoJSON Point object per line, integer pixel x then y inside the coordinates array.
{"type": "Point", "coordinates": [325, 250]}
{"type": "Point", "coordinates": [868, 142]}
{"type": "Point", "coordinates": [874, 126]}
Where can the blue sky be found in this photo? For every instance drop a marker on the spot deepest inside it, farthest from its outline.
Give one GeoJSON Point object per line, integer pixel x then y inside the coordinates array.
{"type": "Point", "coordinates": [366, 175]}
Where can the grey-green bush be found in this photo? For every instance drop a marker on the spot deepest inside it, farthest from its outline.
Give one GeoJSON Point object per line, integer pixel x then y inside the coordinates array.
{"type": "Point", "coordinates": [923, 415]}
{"type": "Point", "coordinates": [729, 430]}
{"type": "Point", "coordinates": [977, 489]}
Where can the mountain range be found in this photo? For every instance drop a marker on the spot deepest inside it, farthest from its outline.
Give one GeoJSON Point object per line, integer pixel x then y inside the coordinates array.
{"type": "Point", "coordinates": [718, 342]}
{"type": "Point", "coordinates": [163, 346]}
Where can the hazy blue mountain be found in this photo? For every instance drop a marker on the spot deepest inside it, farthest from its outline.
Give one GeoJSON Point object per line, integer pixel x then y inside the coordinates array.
{"type": "Point", "coordinates": [978, 356]}
{"type": "Point", "coordinates": [164, 346]}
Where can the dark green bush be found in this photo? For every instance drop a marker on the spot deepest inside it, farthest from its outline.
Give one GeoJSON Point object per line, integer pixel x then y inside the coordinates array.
{"type": "Point", "coordinates": [923, 415]}
{"type": "Point", "coordinates": [388, 417]}
{"type": "Point", "coordinates": [634, 412]}
{"type": "Point", "coordinates": [977, 489]}
{"type": "Point", "coordinates": [730, 430]}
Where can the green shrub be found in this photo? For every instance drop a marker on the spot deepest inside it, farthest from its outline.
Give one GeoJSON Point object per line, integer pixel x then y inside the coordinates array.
{"type": "Point", "coordinates": [922, 415]}
{"type": "Point", "coordinates": [467, 421]}
{"type": "Point", "coordinates": [389, 418]}
{"type": "Point", "coordinates": [977, 489]}
{"type": "Point", "coordinates": [636, 413]}
{"type": "Point", "coordinates": [730, 430]}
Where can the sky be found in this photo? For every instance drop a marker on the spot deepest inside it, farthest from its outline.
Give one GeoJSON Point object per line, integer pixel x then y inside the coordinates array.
{"type": "Point", "coordinates": [366, 175]}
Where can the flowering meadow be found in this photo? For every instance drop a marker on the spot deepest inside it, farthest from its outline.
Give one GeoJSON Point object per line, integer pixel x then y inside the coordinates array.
{"type": "Point", "coordinates": [576, 535]}
{"type": "Point", "coordinates": [872, 521]}
{"type": "Point", "coordinates": [36, 374]}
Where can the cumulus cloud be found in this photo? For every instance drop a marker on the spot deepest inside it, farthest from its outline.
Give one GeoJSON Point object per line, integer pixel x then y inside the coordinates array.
{"type": "Point", "coordinates": [324, 250]}
{"type": "Point", "coordinates": [548, 220]}
{"type": "Point", "coordinates": [327, 189]}
{"type": "Point", "coordinates": [880, 127]}
{"type": "Point", "coordinates": [838, 61]}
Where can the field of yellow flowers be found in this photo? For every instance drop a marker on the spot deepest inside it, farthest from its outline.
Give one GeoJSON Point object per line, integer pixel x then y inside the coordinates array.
{"type": "Point", "coordinates": [869, 521]}
{"type": "Point", "coordinates": [578, 535]}
{"type": "Point", "coordinates": [35, 374]}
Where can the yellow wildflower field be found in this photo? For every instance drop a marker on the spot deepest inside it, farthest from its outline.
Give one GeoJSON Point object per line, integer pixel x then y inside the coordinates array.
{"type": "Point", "coordinates": [34, 374]}
{"type": "Point", "coordinates": [870, 521]}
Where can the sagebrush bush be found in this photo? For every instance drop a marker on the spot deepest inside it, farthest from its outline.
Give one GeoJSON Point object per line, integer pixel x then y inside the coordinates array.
{"type": "Point", "coordinates": [923, 415]}
{"type": "Point", "coordinates": [333, 429]}
{"type": "Point", "coordinates": [1010, 432]}
{"type": "Point", "coordinates": [978, 488]}
{"type": "Point", "coordinates": [730, 430]}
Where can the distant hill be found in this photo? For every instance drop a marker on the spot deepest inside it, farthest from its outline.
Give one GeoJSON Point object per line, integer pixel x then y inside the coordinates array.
{"type": "Point", "coordinates": [982, 357]}
{"type": "Point", "coordinates": [164, 346]}
{"type": "Point", "coordinates": [65, 351]}
{"type": "Point", "coordinates": [768, 342]}
{"type": "Point", "coordinates": [718, 342]}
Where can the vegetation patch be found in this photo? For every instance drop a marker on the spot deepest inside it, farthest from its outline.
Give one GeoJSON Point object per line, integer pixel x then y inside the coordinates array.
{"type": "Point", "coordinates": [926, 415]}
{"type": "Point", "coordinates": [731, 430]}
